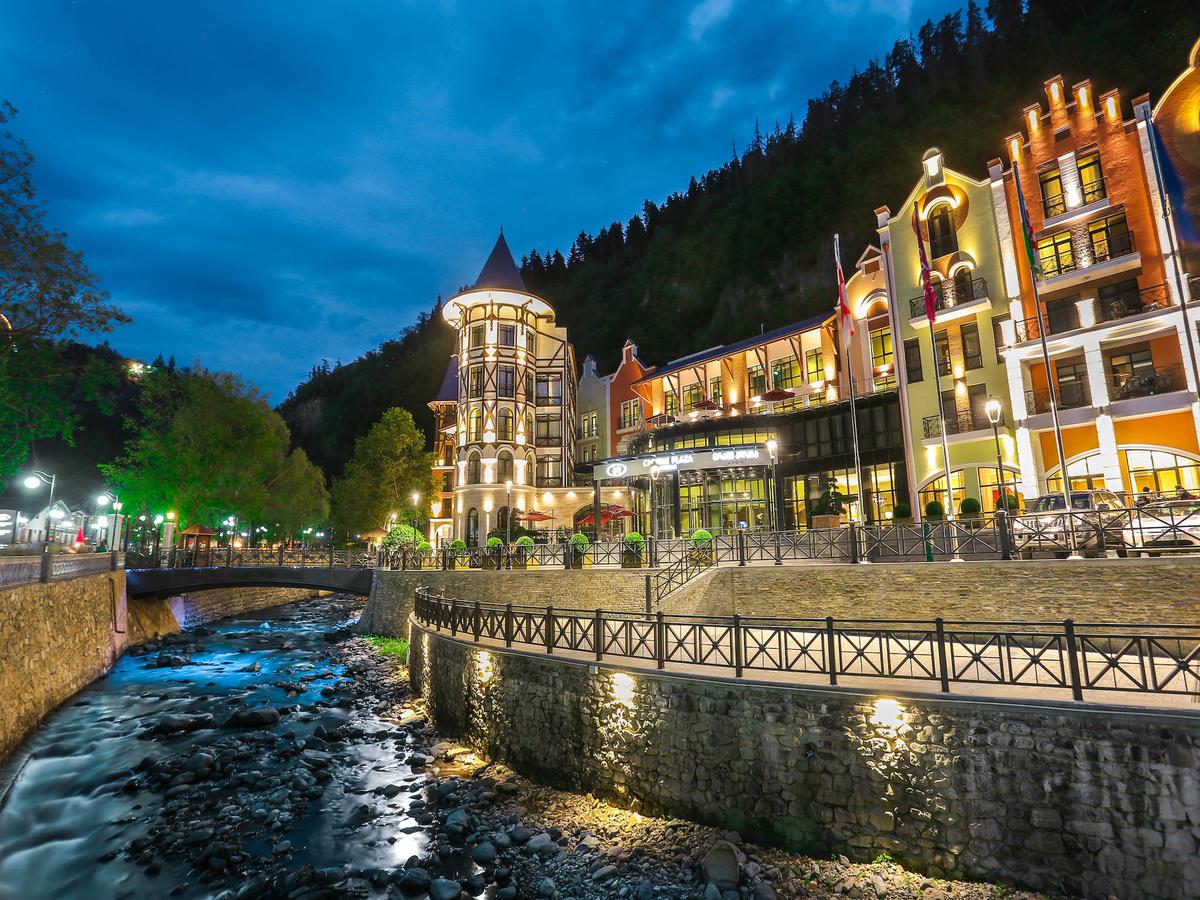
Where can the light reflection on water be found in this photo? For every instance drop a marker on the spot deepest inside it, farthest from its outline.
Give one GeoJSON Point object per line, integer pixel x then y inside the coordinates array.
{"type": "Point", "coordinates": [67, 808]}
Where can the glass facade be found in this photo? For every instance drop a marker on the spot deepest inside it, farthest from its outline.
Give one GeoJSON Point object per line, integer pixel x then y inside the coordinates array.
{"type": "Point", "coordinates": [723, 500]}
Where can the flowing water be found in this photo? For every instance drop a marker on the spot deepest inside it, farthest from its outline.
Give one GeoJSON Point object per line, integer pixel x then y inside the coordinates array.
{"type": "Point", "coordinates": [70, 811]}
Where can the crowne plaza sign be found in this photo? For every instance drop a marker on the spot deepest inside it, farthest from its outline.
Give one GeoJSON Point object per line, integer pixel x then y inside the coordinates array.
{"type": "Point", "coordinates": [676, 460]}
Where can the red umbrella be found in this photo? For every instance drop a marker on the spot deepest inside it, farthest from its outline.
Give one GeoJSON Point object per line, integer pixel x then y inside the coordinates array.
{"type": "Point", "coordinates": [775, 395]}
{"type": "Point", "coordinates": [534, 516]}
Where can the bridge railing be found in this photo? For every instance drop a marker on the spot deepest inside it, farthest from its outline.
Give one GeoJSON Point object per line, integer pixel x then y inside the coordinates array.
{"type": "Point", "coordinates": [231, 557]}
{"type": "Point", "coordinates": [1053, 657]}
{"type": "Point", "coordinates": [21, 570]}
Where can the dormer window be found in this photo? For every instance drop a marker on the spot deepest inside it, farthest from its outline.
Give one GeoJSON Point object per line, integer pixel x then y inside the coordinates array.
{"type": "Point", "coordinates": [942, 238]}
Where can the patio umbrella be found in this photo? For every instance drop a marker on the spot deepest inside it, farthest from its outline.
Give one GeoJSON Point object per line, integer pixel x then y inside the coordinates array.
{"type": "Point", "coordinates": [777, 395]}
{"type": "Point", "coordinates": [534, 516]}
{"type": "Point", "coordinates": [660, 421]}
{"type": "Point", "coordinates": [707, 409]}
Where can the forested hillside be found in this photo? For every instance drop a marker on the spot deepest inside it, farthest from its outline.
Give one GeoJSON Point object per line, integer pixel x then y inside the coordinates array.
{"type": "Point", "coordinates": [749, 244]}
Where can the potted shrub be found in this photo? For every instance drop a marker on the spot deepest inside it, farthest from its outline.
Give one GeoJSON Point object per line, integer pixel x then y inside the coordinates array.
{"type": "Point", "coordinates": [972, 513]}
{"type": "Point", "coordinates": [579, 544]}
{"type": "Point", "coordinates": [702, 547]}
{"type": "Point", "coordinates": [631, 551]}
{"type": "Point", "coordinates": [934, 511]}
{"type": "Point", "coordinates": [524, 550]}
{"type": "Point", "coordinates": [901, 513]}
{"type": "Point", "coordinates": [1010, 503]}
{"type": "Point", "coordinates": [423, 549]}
{"type": "Point", "coordinates": [458, 550]}
{"type": "Point", "coordinates": [491, 553]}
{"type": "Point", "coordinates": [827, 511]}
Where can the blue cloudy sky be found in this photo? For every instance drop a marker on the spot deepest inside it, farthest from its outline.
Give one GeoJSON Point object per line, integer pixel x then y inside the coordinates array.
{"type": "Point", "coordinates": [265, 184]}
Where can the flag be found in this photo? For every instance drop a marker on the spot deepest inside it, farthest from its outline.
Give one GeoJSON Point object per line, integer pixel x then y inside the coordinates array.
{"type": "Point", "coordinates": [845, 318]}
{"type": "Point", "coordinates": [1173, 190]}
{"type": "Point", "coordinates": [79, 537]}
{"type": "Point", "coordinates": [926, 275]}
{"type": "Point", "coordinates": [1031, 251]}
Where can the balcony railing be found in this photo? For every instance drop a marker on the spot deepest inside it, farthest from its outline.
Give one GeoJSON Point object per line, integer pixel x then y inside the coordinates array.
{"type": "Point", "coordinates": [1134, 303]}
{"type": "Point", "coordinates": [1072, 395]}
{"type": "Point", "coordinates": [956, 423]}
{"type": "Point", "coordinates": [1111, 243]}
{"type": "Point", "coordinates": [950, 294]}
{"type": "Point", "coordinates": [583, 432]}
{"type": "Point", "coordinates": [1146, 383]}
{"type": "Point", "coordinates": [1056, 204]}
{"type": "Point", "coordinates": [548, 440]}
{"type": "Point", "coordinates": [1055, 321]}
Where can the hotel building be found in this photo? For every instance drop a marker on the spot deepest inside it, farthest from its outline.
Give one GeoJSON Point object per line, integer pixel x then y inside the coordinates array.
{"type": "Point", "coordinates": [1107, 301]}
{"type": "Point", "coordinates": [957, 224]}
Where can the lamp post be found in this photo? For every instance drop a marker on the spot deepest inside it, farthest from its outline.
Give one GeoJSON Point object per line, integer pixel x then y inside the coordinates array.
{"type": "Point", "coordinates": [994, 410]}
{"type": "Point", "coordinates": [104, 499]}
{"type": "Point", "coordinates": [416, 499]}
{"type": "Point", "coordinates": [508, 515]}
{"type": "Point", "coordinates": [773, 450]}
{"type": "Point", "coordinates": [32, 481]}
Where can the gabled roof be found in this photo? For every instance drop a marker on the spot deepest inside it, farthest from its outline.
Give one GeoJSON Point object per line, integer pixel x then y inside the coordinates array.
{"type": "Point", "coordinates": [717, 352]}
{"type": "Point", "coordinates": [448, 392]}
{"type": "Point", "coordinates": [500, 272]}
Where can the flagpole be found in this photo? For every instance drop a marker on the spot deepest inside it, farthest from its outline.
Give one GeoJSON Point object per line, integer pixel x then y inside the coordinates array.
{"type": "Point", "coordinates": [1173, 248]}
{"type": "Point", "coordinates": [1037, 308]}
{"type": "Point", "coordinates": [937, 387]}
{"type": "Point", "coordinates": [844, 310]}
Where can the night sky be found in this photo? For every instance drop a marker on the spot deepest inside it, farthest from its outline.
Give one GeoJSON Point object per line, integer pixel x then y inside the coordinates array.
{"type": "Point", "coordinates": [262, 185]}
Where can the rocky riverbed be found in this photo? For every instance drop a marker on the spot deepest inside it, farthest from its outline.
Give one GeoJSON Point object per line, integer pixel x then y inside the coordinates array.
{"type": "Point", "coordinates": [278, 755]}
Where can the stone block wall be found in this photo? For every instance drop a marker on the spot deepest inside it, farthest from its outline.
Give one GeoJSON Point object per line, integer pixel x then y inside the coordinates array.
{"type": "Point", "coordinates": [202, 607]}
{"type": "Point", "coordinates": [1082, 800]}
{"type": "Point", "coordinates": [618, 590]}
{"type": "Point", "coordinates": [1117, 590]}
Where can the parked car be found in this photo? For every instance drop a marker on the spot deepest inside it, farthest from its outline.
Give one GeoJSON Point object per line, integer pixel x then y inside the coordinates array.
{"type": "Point", "coordinates": [1164, 526]}
{"type": "Point", "coordinates": [1096, 524]}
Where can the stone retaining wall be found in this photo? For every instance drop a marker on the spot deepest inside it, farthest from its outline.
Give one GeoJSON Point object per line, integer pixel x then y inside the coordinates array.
{"type": "Point", "coordinates": [619, 590]}
{"type": "Point", "coordinates": [1083, 800]}
{"type": "Point", "coordinates": [202, 607]}
{"type": "Point", "coordinates": [1115, 590]}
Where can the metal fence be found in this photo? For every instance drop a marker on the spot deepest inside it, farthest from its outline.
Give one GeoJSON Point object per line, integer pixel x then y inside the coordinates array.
{"type": "Point", "coordinates": [1050, 656]}
{"type": "Point", "coordinates": [21, 570]}
{"type": "Point", "coordinates": [226, 557]}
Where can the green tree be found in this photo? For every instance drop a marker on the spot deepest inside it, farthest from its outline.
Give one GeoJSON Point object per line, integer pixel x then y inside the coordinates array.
{"type": "Point", "coordinates": [390, 463]}
{"type": "Point", "coordinates": [207, 445]}
{"type": "Point", "coordinates": [47, 294]}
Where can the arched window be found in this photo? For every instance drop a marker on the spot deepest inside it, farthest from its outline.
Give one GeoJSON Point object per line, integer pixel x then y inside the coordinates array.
{"type": "Point", "coordinates": [474, 426]}
{"type": "Point", "coordinates": [504, 466]}
{"type": "Point", "coordinates": [529, 428]}
{"type": "Point", "coordinates": [473, 469]}
{"type": "Point", "coordinates": [530, 468]}
{"type": "Point", "coordinates": [942, 238]}
{"type": "Point", "coordinates": [963, 288]}
{"type": "Point", "coordinates": [505, 432]}
{"type": "Point", "coordinates": [1086, 473]}
{"type": "Point", "coordinates": [472, 527]}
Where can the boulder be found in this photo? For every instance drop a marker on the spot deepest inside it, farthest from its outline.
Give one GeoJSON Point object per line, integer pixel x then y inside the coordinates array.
{"type": "Point", "coordinates": [720, 865]}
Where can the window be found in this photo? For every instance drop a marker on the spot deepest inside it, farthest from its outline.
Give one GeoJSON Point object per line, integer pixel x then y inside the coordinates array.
{"type": "Point", "coordinates": [528, 387]}
{"type": "Point", "coordinates": [549, 431]}
{"type": "Point", "coordinates": [942, 341]}
{"type": "Point", "coordinates": [474, 466]}
{"type": "Point", "coordinates": [814, 366]}
{"type": "Point", "coordinates": [474, 426]}
{"type": "Point", "coordinates": [991, 484]}
{"type": "Point", "coordinates": [631, 414]}
{"type": "Point", "coordinates": [477, 333]}
{"type": "Point", "coordinates": [1110, 238]}
{"type": "Point", "coordinates": [693, 394]}
{"type": "Point", "coordinates": [912, 361]}
{"type": "Point", "coordinates": [1053, 201]}
{"type": "Point", "coordinates": [1086, 474]}
{"type": "Point", "coordinates": [1120, 300]}
{"type": "Point", "coordinates": [1055, 254]}
{"type": "Point", "coordinates": [589, 424]}
{"type": "Point", "coordinates": [504, 467]}
{"type": "Point", "coordinates": [977, 398]}
{"type": "Point", "coordinates": [529, 427]}
{"type": "Point", "coordinates": [506, 382]}
{"type": "Point", "coordinates": [714, 391]}
{"type": "Point", "coordinates": [508, 335]}
{"type": "Point", "coordinates": [942, 238]}
{"type": "Point", "coordinates": [1072, 385]}
{"type": "Point", "coordinates": [1062, 315]}
{"type": "Point", "coordinates": [505, 431]}
{"type": "Point", "coordinates": [971, 348]}
{"type": "Point", "coordinates": [757, 379]}
{"type": "Point", "coordinates": [472, 527]}
{"type": "Point", "coordinates": [881, 351]}
{"type": "Point", "coordinates": [936, 490]}
{"type": "Point", "coordinates": [964, 286]}
{"type": "Point", "coordinates": [1132, 373]}
{"type": "Point", "coordinates": [549, 389]}
{"type": "Point", "coordinates": [998, 336]}
{"type": "Point", "coordinates": [1163, 472]}
{"type": "Point", "coordinates": [785, 373]}
{"type": "Point", "coordinates": [549, 471]}
{"type": "Point", "coordinates": [1091, 179]}
{"type": "Point", "coordinates": [588, 454]}
{"type": "Point", "coordinates": [476, 389]}
{"type": "Point", "coordinates": [531, 341]}
{"type": "Point", "coordinates": [671, 403]}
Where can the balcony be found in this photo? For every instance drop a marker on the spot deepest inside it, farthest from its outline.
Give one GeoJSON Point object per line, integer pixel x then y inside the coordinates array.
{"type": "Point", "coordinates": [1072, 395]}
{"type": "Point", "coordinates": [584, 432]}
{"type": "Point", "coordinates": [1146, 382]}
{"type": "Point", "coordinates": [950, 296]}
{"type": "Point", "coordinates": [1057, 205]}
{"type": "Point", "coordinates": [956, 423]}
{"type": "Point", "coordinates": [1054, 321]}
{"type": "Point", "coordinates": [1134, 303]}
{"type": "Point", "coordinates": [1070, 264]}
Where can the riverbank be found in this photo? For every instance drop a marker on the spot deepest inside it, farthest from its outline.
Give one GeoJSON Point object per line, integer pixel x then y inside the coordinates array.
{"type": "Point", "coordinates": [275, 754]}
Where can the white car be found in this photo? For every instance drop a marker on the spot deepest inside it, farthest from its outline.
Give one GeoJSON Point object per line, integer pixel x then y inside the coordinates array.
{"type": "Point", "coordinates": [1164, 526]}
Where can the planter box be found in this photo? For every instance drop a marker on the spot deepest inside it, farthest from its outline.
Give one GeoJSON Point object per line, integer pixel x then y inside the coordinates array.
{"type": "Point", "coordinates": [631, 559]}
{"type": "Point", "coordinates": [577, 557]}
{"type": "Point", "coordinates": [826, 521]}
{"type": "Point", "coordinates": [491, 560]}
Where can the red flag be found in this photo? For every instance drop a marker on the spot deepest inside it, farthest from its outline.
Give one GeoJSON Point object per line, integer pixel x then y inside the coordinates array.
{"type": "Point", "coordinates": [846, 319]}
{"type": "Point", "coordinates": [79, 537]}
{"type": "Point", "coordinates": [926, 275]}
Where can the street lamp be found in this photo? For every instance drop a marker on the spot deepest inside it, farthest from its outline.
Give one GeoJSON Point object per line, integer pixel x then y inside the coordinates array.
{"type": "Point", "coordinates": [994, 410]}
{"type": "Point", "coordinates": [508, 515]}
{"type": "Point", "coordinates": [32, 481]}
{"type": "Point", "coordinates": [104, 499]}
{"type": "Point", "coordinates": [773, 451]}
{"type": "Point", "coordinates": [416, 499]}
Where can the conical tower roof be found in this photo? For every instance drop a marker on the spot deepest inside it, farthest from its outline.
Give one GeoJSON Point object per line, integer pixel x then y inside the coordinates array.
{"type": "Point", "coordinates": [500, 273]}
